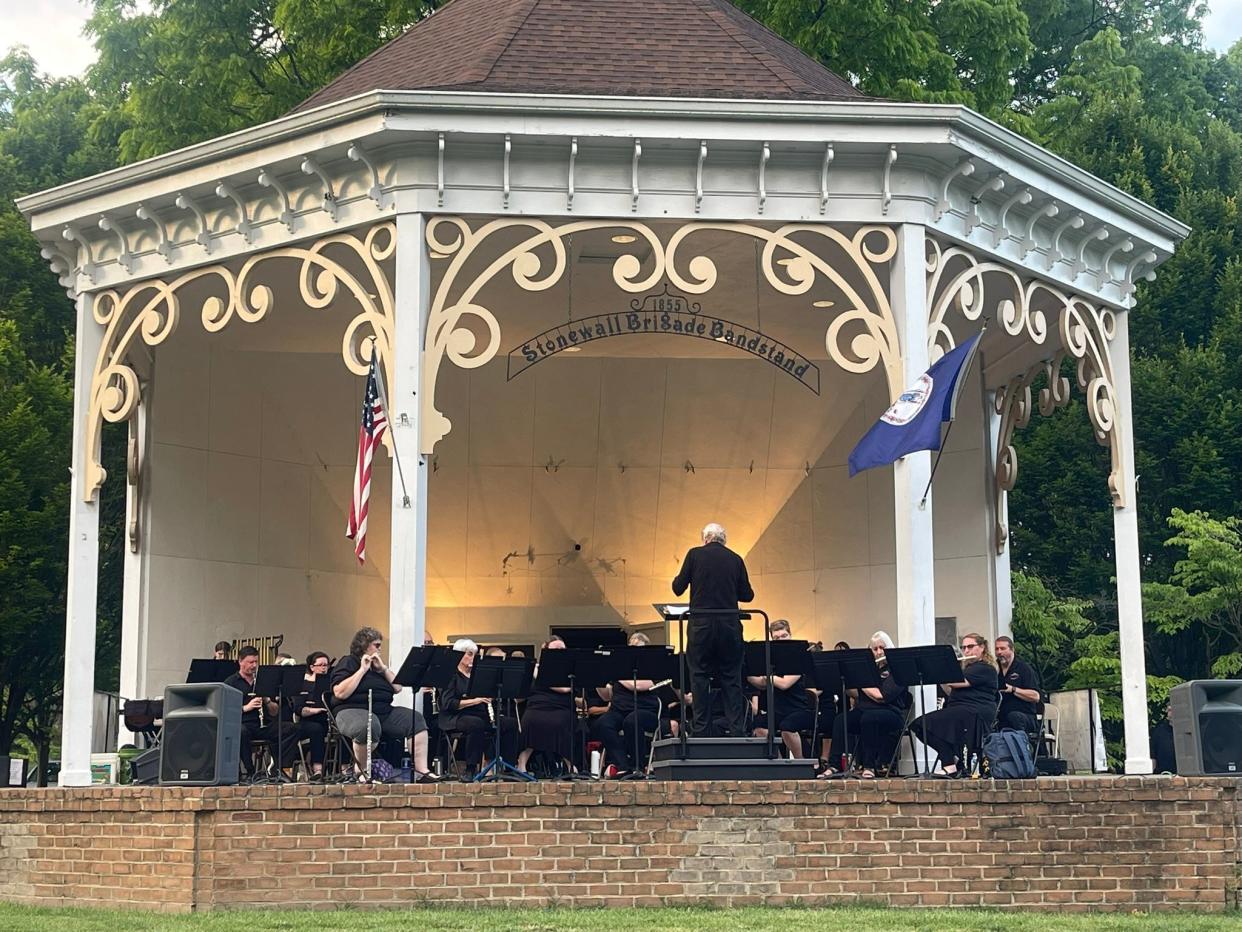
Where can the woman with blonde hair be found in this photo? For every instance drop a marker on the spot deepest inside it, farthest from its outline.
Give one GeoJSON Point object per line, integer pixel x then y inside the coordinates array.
{"type": "Point", "coordinates": [877, 718]}
{"type": "Point", "coordinates": [969, 709]}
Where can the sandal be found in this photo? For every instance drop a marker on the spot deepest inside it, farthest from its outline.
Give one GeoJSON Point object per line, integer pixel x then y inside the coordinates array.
{"type": "Point", "coordinates": [828, 773]}
{"type": "Point", "coordinates": [867, 774]}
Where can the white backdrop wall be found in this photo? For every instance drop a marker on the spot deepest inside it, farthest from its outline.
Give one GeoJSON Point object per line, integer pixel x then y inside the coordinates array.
{"type": "Point", "coordinates": [625, 457]}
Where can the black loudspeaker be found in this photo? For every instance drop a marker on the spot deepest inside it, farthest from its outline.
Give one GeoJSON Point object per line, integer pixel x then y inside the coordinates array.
{"type": "Point", "coordinates": [1207, 727]}
{"type": "Point", "coordinates": [202, 735]}
{"type": "Point", "coordinates": [145, 768]}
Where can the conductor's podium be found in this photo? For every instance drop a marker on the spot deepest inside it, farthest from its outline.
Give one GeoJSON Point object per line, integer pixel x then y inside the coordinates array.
{"type": "Point", "coordinates": [725, 759]}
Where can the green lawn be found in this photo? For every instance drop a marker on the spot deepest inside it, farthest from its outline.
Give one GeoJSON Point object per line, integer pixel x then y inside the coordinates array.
{"type": "Point", "coordinates": [749, 919]}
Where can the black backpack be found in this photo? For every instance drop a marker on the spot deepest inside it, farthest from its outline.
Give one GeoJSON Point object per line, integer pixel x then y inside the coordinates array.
{"type": "Point", "coordinates": [1007, 756]}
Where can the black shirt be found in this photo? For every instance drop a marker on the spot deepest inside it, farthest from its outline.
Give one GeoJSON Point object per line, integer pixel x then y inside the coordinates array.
{"type": "Point", "coordinates": [450, 702]}
{"type": "Point", "coordinates": [1022, 676]}
{"type": "Point", "coordinates": [381, 689]}
{"type": "Point", "coordinates": [623, 700]}
{"type": "Point", "coordinates": [981, 695]}
{"type": "Point", "coordinates": [895, 697]}
{"type": "Point", "coordinates": [1163, 749]}
{"type": "Point", "coordinates": [716, 577]}
{"type": "Point", "coordinates": [250, 718]}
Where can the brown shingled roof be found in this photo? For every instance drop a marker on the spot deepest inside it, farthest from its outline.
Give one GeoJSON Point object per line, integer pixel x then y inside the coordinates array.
{"type": "Point", "coordinates": [616, 48]}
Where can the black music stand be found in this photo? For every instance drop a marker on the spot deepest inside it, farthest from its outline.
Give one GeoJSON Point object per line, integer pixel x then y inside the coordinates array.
{"type": "Point", "coordinates": [653, 662]}
{"type": "Point", "coordinates": [277, 681]}
{"type": "Point", "coordinates": [845, 670]}
{"type": "Point", "coordinates": [498, 678]}
{"type": "Point", "coordinates": [560, 668]}
{"type": "Point", "coordinates": [590, 637]}
{"type": "Point", "coordinates": [210, 670]}
{"type": "Point", "coordinates": [775, 658]}
{"type": "Point", "coordinates": [429, 666]}
{"type": "Point", "coordinates": [925, 665]}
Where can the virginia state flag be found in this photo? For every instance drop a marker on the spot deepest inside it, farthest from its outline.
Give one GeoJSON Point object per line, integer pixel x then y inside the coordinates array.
{"type": "Point", "coordinates": [913, 422]}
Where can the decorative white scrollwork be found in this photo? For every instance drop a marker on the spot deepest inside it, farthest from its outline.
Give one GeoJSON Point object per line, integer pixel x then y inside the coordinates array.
{"type": "Point", "coordinates": [537, 262]}
{"type": "Point", "coordinates": [958, 280]}
{"type": "Point", "coordinates": [788, 263]}
{"type": "Point", "coordinates": [150, 311]}
{"type": "Point", "coordinates": [1013, 403]}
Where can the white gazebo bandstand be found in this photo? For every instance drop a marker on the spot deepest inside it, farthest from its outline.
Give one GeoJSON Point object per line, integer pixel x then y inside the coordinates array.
{"type": "Point", "coordinates": [603, 318]}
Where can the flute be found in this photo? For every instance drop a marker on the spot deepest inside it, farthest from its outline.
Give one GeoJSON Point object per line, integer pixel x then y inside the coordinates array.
{"type": "Point", "coordinates": [368, 734]}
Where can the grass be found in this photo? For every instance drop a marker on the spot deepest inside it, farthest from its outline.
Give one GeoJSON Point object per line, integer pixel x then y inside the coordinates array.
{"type": "Point", "coordinates": [559, 919]}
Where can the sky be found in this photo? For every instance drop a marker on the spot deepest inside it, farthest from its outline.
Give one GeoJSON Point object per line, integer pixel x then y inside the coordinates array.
{"type": "Point", "coordinates": [52, 30]}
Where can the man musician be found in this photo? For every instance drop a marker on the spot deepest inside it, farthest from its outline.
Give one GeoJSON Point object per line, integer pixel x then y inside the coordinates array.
{"type": "Point", "coordinates": [1019, 689]}
{"type": "Point", "coordinates": [260, 716]}
{"type": "Point", "coordinates": [717, 580]}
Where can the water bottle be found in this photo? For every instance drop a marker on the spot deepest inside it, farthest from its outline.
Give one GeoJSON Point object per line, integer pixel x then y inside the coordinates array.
{"type": "Point", "coordinates": [596, 760]}
{"type": "Point", "coordinates": [405, 769]}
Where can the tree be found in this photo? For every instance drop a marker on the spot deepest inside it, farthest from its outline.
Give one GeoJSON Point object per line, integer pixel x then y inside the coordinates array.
{"type": "Point", "coordinates": [1205, 587]}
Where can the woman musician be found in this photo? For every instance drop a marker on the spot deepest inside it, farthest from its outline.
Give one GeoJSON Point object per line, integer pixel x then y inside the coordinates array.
{"type": "Point", "coordinates": [548, 718]}
{"type": "Point", "coordinates": [474, 719]}
{"type": "Point", "coordinates": [361, 672]}
{"type": "Point", "coordinates": [970, 707]}
{"type": "Point", "coordinates": [632, 704]}
{"type": "Point", "coordinates": [876, 720]}
{"type": "Point", "coordinates": [312, 715]}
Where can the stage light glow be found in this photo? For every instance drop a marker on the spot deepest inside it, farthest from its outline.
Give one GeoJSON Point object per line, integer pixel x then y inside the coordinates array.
{"type": "Point", "coordinates": [624, 239]}
{"type": "Point", "coordinates": [822, 303]}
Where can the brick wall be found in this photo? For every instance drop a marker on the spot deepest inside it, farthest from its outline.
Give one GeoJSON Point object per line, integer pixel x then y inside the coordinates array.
{"type": "Point", "coordinates": [1068, 843]}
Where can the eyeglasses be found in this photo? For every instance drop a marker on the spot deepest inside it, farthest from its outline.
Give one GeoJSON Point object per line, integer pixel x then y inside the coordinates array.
{"type": "Point", "coordinates": [969, 646]}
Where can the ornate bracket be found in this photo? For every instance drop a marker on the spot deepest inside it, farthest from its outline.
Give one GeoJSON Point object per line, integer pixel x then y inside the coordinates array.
{"type": "Point", "coordinates": [829, 155]}
{"type": "Point", "coordinates": [852, 262]}
{"type": "Point", "coordinates": [1028, 242]}
{"type": "Point", "coordinates": [508, 152]}
{"type": "Point", "coordinates": [763, 175]}
{"type": "Point", "coordinates": [698, 176]}
{"type": "Point", "coordinates": [123, 255]}
{"type": "Point", "coordinates": [958, 280]}
{"type": "Point", "coordinates": [328, 195]}
{"type": "Point", "coordinates": [569, 190]}
{"type": "Point", "coordinates": [886, 189]}
{"type": "Point", "coordinates": [962, 169]}
{"type": "Point", "coordinates": [151, 310]}
{"type": "Point", "coordinates": [86, 265]}
{"type": "Point", "coordinates": [268, 180]}
{"type": "Point", "coordinates": [996, 183]}
{"type": "Point", "coordinates": [638, 154]}
{"type": "Point", "coordinates": [1013, 404]}
{"type": "Point", "coordinates": [1002, 224]}
{"type": "Point", "coordinates": [203, 236]}
{"type": "Point", "coordinates": [225, 191]}
{"type": "Point", "coordinates": [355, 153]}
{"type": "Point", "coordinates": [162, 246]}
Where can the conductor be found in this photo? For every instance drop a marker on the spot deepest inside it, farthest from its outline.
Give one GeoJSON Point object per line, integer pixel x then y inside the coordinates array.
{"type": "Point", "coordinates": [717, 580]}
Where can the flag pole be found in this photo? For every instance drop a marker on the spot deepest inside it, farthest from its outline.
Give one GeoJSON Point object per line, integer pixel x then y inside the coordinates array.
{"type": "Point", "coordinates": [948, 430]}
{"type": "Point", "coordinates": [383, 399]}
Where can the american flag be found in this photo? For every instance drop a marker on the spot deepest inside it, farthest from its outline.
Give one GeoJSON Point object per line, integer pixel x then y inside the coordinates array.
{"type": "Point", "coordinates": [374, 423]}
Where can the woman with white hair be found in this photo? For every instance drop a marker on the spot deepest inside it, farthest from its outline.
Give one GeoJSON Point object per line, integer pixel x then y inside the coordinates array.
{"type": "Point", "coordinates": [472, 718]}
{"type": "Point", "coordinates": [876, 720]}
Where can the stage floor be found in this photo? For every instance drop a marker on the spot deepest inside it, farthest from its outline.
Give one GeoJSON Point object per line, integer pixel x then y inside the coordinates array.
{"type": "Point", "coordinates": [1061, 843]}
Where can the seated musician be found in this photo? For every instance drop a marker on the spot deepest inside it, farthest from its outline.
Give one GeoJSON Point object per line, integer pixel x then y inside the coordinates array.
{"type": "Point", "coordinates": [632, 705]}
{"type": "Point", "coordinates": [1019, 689]}
{"type": "Point", "coordinates": [792, 713]}
{"type": "Point", "coordinates": [875, 722]}
{"type": "Point", "coordinates": [548, 718]}
{"type": "Point", "coordinates": [222, 650]}
{"type": "Point", "coordinates": [970, 705]}
{"type": "Point", "coordinates": [312, 715]}
{"type": "Point", "coordinates": [361, 675]}
{"type": "Point", "coordinates": [473, 718]}
{"type": "Point", "coordinates": [260, 716]}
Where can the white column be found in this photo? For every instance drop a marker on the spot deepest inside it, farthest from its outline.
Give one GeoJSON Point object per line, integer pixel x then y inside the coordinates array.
{"type": "Point", "coordinates": [133, 683]}
{"type": "Point", "coordinates": [407, 587]}
{"type": "Point", "coordinates": [81, 615]}
{"type": "Point", "coordinates": [1129, 592]}
{"type": "Point", "coordinates": [1002, 585]}
{"type": "Point", "coordinates": [916, 595]}
{"type": "Point", "coordinates": [916, 602]}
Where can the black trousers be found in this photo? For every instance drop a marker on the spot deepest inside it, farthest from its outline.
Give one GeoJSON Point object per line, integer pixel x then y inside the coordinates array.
{"type": "Point", "coordinates": [616, 729]}
{"type": "Point", "coordinates": [715, 647]}
{"type": "Point", "coordinates": [1019, 721]}
{"type": "Point", "coordinates": [283, 743]}
{"type": "Point", "coordinates": [952, 732]}
{"type": "Point", "coordinates": [478, 737]}
{"type": "Point", "coordinates": [315, 729]}
{"type": "Point", "coordinates": [873, 733]}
